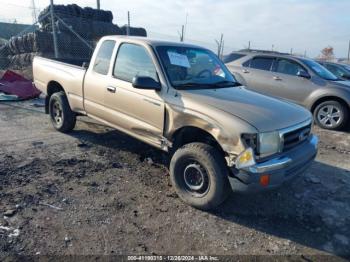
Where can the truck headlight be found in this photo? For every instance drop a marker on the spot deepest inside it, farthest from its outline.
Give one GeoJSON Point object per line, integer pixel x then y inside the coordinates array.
{"type": "Point", "coordinates": [269, 143]}
{"type": "Point", "coordinates": [245, 159]}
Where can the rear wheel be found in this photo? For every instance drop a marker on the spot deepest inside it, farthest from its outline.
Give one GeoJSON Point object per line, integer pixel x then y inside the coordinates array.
{"type": "Point", "coordinates": [62, 117]}
{"type": "Point", "coordinates": [331, 115]}
{"type": "Point", "coordinates": [198, 173]}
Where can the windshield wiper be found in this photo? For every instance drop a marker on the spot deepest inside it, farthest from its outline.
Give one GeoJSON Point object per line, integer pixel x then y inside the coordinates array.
{"type": "Point", "coordinates": [226, 83]}
{"type": "Point", "coordinates": [191, 85]}
{"type": "Point", "coordinates": [220, 84]}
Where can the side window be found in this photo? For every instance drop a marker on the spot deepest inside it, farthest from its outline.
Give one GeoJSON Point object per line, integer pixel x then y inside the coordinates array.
{"type": "Point", "coordinates": [262, 63]}
{"type": "Point", "coordinates": [289, 67]}
{"type": "Point", "coordinates": [103, 57]}
{"type": "Point", "coordinates": [133, 60]}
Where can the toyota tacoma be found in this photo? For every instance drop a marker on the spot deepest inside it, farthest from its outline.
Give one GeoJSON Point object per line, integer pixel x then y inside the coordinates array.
{"type": "Point", "coordinates": [181, 98]}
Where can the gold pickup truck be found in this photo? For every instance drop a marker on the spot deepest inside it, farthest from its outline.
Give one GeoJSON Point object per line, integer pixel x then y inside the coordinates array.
{"type": "Point", "coordinates": [182, 99]}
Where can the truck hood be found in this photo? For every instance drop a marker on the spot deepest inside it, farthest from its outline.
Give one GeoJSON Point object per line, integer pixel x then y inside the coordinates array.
{"type": "Point", "coordinates": [262, 112]}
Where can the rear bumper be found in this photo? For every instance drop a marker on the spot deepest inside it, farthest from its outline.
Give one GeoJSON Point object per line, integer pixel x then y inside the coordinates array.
{"type": "Point", "coordinates": [280, 169]}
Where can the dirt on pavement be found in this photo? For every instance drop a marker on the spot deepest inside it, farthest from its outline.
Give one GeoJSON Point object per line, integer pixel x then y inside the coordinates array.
{"type": "Point", "coordinates": [97, 191]}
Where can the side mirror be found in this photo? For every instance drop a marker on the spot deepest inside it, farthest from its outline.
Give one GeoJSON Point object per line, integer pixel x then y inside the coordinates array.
{"type": "Point", "coordinates": [145, 82]}
{"type": "Point", "coordinates": [345, 75]}
{"type": "Point", "coordinates": [303, 74]}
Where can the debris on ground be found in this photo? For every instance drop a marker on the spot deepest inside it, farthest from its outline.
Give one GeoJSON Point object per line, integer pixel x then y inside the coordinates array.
{"type": "Point", "coordinates": [51, 206]}
{"type": "Point", "coordinates": [5, 97]}
{"type": "Point", "coordinates": [18, 87]}
{"type": "Point", "coordinates": [12, 232]}
{"type": "Point", "coordinates": [10, 212]}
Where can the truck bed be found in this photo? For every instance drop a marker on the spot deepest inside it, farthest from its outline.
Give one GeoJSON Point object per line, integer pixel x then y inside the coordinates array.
{"type": "Point", "coordinates": [62, 72]}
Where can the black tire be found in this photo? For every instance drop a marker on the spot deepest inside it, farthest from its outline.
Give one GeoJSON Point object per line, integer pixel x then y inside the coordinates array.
{"type": "Point", "coordinates": [207, 164]}
{"type": "Point", "coordinates": [325, 115]}
{"type": "Point", "coordinates": [62, 117]}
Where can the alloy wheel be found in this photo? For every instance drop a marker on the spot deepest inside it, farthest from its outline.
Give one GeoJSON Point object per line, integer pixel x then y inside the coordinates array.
{"type": "Point", "coordinates": [329, 116]}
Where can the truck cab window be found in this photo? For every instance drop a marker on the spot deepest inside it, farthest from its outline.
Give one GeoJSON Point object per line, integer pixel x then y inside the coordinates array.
{"type": "Point", "coordinates": [103, 57]}
{"type": "Point", "coordinates": [133, 60]}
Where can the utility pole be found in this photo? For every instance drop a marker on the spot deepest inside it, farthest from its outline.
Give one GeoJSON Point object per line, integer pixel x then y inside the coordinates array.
{"type": "Point", "coordinates": [182, 33]}
{"type": "Point", "coordinates": [249, 45]}
{"type": "Point", "coordinates": [98, 5]}
{"type": "Point", "coordinates": [272, 47]}
{"type": "Point", "coordinates": [53, 30]}
{"type": "Point", "coordinates": [222, 49]}
{"type": "Point", "coordinates": [35, 18]}
{"type": "Point", "coordinates": [219, 43]}
{"type": "Point", "coordinates": [291, 51]}
{"type": "Point", "coordinates": [185, 28]}
{"type": "Point", "coordinates": [128, 27]}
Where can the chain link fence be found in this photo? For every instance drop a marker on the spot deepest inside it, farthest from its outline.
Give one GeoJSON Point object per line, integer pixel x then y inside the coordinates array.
{"type": "Point", "coordinates": [69, 33]}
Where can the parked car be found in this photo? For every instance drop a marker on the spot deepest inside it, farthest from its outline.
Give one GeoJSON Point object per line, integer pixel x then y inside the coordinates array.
{"type": "Point", "coordinates": [297, 79]}
{"type": "Point", "coordinates": [182, 99]}
{"type": "Point", "coordinates": [342, 71]}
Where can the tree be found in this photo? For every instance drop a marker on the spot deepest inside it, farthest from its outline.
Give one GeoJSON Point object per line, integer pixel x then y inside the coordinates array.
{"type": "Point", "coordinates": [327, 53]}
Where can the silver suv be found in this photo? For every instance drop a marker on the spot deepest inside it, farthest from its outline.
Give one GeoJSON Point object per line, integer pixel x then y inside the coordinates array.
{"type": "Point", "coordinates": [297, 79]}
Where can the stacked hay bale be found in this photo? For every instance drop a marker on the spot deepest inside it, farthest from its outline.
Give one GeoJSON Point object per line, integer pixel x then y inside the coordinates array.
{"type": "Point", "coordinates": [90, 24]}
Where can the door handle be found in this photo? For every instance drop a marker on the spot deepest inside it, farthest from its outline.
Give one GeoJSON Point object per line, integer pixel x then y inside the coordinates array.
{"type": "Point", "coordinates": [277, 78]}
{"type": "Point", "coordinates": [111, 89]}
{"type": "Point", "coordinates": [245, 71]}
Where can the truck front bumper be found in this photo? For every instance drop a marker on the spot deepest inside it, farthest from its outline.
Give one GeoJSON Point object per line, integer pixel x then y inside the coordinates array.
{"type": "Point", "coordinates": [274, 172]}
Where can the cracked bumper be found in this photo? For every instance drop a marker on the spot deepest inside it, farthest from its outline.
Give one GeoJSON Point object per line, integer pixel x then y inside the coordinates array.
{"type": "Point", "coordinates": [280, 169]}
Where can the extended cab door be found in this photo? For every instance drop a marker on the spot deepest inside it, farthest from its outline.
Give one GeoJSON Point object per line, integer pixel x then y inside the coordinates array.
{"type": "Point", "coordinates": [138, 112]}
{"type": "Point", "coordinates": [97, 78]}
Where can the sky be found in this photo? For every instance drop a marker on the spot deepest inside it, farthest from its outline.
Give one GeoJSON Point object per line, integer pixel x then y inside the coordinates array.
{"type": "Point", "coordinates": [304, 25]}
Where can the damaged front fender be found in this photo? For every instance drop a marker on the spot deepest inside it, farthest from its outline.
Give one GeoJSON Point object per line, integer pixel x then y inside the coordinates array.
{"type": "Point", "coordinates": [224, 128]}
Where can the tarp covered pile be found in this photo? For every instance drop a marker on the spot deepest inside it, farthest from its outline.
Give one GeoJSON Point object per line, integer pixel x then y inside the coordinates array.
{"type": "Point", "coordinates": [15, 87]}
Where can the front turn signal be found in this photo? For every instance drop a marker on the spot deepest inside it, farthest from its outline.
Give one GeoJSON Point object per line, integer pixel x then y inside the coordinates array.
{"type": "Point", "coordinates": [245, 159]}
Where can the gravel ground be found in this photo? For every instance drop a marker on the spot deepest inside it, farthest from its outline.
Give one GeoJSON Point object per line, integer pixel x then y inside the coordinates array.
{"type": "Point", "coordinates": [99, 192]}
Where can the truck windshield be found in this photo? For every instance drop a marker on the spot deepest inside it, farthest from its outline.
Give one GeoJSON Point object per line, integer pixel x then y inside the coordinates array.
{"type": "Point", "coordinates": [191, 68]}
{"type": "Point", "coordinates": [320, 70]}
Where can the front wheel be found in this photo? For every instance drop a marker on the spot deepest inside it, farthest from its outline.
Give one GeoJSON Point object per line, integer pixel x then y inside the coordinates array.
{"type": "Point", "coordinates": [331, 115]}
{"type": "Point", "coordinates": [198, 173]}
{"type": "Point", "coordinates": [62, 117]}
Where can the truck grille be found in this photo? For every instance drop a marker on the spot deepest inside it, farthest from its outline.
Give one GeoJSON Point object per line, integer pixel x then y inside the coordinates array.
{"type": "Point", "coordinates": [295, 137]}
